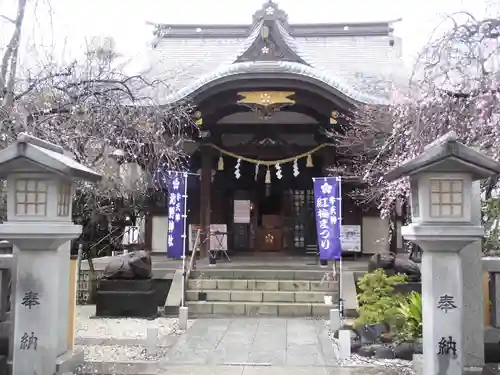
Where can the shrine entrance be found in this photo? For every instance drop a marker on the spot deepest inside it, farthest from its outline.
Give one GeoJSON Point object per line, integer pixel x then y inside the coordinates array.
{"type": "Point", "coordinates": [258, 154]}
{"type": "Point", "coordinates": [264, 213]}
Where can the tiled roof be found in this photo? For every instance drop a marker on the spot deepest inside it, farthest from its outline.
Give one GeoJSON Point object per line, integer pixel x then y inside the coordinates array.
{"type": "Point", "coordinates": [363, 66]}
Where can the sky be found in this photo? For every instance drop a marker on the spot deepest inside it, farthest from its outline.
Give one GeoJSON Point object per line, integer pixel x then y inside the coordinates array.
{"type": "Point", "coordinates": [70, 22]}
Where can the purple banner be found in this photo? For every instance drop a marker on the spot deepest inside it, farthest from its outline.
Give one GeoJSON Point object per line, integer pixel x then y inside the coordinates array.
{"type": "Point", "coordinates": [176, 183]}
{"type": "Point", "coordinates": [328, 217]}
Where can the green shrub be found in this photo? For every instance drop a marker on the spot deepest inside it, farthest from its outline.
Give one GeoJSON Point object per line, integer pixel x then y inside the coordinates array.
{"type": "Point", "coordinates": [377, 301]}
{"type": "Point", "coordinates": [410, 318]}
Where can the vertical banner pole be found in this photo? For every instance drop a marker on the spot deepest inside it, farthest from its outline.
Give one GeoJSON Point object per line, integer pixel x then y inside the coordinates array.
{"type": "Point", "coordinates": [184, 218]}
{"type": "Point", "coordinates": [341, 300]}
{"type": "Point", "coordinates": [328, 211]}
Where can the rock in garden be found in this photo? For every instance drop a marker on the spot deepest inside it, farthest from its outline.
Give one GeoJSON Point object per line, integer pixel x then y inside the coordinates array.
{"type": "Point", "coordinates": [135, 265]}
{"type": "Point", "coordinates": [384, 261]}
{"type": "Point", "coordinates": [370, 333]}
{"type": "Point", "coordinates": [355, 346]}
{"type": "Point", "coordinates": [386, 337]}
{"type": "Point", "coordinates": [367, 350]}
{"type": "Point", "coordinates": [404, 350]}
{"type": "Point", "coordinates": [418, 347]}
{"type": "Point", "coordinates": [409, 268]}
{"type": "Point", "coordinates": [384, 352]}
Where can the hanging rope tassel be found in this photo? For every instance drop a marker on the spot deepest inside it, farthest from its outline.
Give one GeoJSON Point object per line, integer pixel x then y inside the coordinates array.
{"type": "Point", "coordinates": [268, 176]}
{"type": "Point", "coordinates": [309, 162]}
{"type": "Point", "coordinates": [220, 164]}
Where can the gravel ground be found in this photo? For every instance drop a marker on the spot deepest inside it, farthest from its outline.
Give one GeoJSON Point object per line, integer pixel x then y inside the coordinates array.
{"type": "Point", "coordinates": [120, 353]}
{"type": "Point", "coordinates": [122, 329]}
{"type": "Point", "coordinates": [400, 366]}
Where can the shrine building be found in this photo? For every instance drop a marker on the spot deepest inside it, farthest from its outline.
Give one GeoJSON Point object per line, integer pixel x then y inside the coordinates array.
{"type": "Point", "coordinates": [270, 97]}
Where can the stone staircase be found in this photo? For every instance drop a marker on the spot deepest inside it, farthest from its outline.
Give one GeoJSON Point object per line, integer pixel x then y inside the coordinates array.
{"type": "Point", "coordinates": [226, 292]}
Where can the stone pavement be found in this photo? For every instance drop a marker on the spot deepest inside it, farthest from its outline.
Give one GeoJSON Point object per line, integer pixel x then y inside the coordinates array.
{"type": "Point", "coordinates": [254, 341]}
{"type": "Point", "coordinates": [272, 370]}
{"type": "Point", "coordinates": [260, 346]}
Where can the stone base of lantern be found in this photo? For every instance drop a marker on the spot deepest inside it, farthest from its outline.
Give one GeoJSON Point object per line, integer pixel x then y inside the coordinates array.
{"type": "Point", "coordinates": [126, 299]}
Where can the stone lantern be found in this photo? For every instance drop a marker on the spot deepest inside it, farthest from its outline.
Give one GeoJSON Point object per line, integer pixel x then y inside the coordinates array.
{"type": "Point", "coordinates": [441, 181]}
{"type": "Point", "coordinates": [40, 180]}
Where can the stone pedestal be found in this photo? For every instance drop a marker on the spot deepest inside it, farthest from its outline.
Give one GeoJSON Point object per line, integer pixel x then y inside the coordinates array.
{"type": "Point", "coordinates": [442, 293]}
{"type": "Point", "coordinates": [472, 276]}
{"type": "Point", "coordinates": [126, 298]}
{"type": "Point", "coordinates": [37, 346]}
{"type": "Point", "coordinates": [64, 253]}
{"type": "Point", "coordinates": [442, 301]}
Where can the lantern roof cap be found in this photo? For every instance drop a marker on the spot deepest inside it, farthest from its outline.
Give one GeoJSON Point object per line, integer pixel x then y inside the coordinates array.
{"type": "Point", "coordinates": [447, 155]}
{"type": "Point", "coordinates": [29, 154]}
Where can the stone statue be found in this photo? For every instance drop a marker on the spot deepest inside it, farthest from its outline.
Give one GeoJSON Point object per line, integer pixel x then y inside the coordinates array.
{"type": "Point", "coordinates": [135, 265]}
{"type": "Point", "coordinates": [393, 265]}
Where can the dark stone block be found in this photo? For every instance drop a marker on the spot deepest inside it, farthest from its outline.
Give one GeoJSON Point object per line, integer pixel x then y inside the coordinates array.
{"type": "Point", "coordinates": [492, 352]}
{"type": "Point", "coordinates": [370, 333]}
{"type": "Point", "coordinates": [129, 299]}
{"type": "Point", "coordinates": [4, 366]}
{"type": "Point", "coordinates": [4, 346]}
{"type": "Point", "coordinates": [125, 285]}
{"type": "Point", "coordinates": [161, 288]}
{"type": "Point", "coordinates": [404, 351]}
{"type": "Point", "coordinates": [408, 288]}
{"type": "Point", "coordinates": [367, 350]}
{"type": "Point", "coordinates": [384, 352]}
{"type": "Point", "coordinates": [356, 346]}
{"type": "Point", "coordinates": [418, 347]}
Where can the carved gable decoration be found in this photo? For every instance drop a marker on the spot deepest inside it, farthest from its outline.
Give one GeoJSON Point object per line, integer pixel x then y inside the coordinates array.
{"type": "Point", "coordinates": [270, 44]}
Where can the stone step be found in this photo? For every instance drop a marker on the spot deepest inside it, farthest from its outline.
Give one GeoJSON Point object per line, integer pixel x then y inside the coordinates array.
{"type": "Point", "coordinates": [260, 274]}
{"type": "Point", "coordinates": [262, 285]}
{"type": "Point", "coordinates": [202, 308]}
{"type": "Point", "coordinates": [257, 296]}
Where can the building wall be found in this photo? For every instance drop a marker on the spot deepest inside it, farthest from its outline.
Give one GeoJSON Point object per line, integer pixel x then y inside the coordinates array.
{"type": "Point", "coordinates": [159, 233]}
{"type": "Point", "coordinates": [374, 235]}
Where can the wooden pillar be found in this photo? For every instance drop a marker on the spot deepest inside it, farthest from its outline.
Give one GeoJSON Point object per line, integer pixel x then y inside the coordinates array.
{"type": "Point", "coordinates": [148, 223]}
{"type": "Point", "coordinates": [205, 199]}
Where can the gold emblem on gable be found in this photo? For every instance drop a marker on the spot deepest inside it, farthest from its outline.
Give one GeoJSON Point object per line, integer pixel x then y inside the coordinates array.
{"type": "Point", "coordinates": [266, 98]}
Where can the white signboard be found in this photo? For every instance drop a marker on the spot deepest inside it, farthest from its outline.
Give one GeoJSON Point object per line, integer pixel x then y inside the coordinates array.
{"type": "Point", "coordinates": [350, 237]}
{"type": "Point", "coordinates": [218, 237]}
{"type": "Point", "coordinates": [242, 211]}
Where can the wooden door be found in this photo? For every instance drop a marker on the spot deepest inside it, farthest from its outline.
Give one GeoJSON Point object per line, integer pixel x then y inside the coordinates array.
{"type": "Point", "coordinates": [304, 224]}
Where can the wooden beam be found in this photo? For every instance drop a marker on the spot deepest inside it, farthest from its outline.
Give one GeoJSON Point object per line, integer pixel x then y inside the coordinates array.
{"type": "Point", "coordinates": [205, 199]}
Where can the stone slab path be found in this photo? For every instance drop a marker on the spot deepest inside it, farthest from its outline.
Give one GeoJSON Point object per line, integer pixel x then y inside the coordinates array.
{"type": "Point", "coordinates": [257, 346]}
{"type": "Point", "coordinates": [272, 370]}
{"type": "Point", "coordinates": [254, 342]}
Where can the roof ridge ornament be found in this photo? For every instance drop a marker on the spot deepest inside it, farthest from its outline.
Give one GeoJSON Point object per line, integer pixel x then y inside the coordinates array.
{"type": "Point", "coordinates": [270, 12]}
{"type": "Point", "coordinates": [271, 44]}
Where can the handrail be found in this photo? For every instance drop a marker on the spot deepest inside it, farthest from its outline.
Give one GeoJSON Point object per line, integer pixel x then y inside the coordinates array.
{"type": "Point", "coordinates": [190, 266]}
{"type": "Point", "coordinates": [192, 260]}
